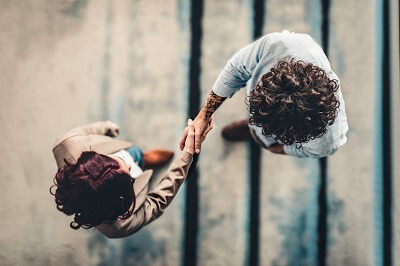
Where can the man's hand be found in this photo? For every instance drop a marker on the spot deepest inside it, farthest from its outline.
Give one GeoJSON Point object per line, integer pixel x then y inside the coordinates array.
{"type": "Point", "coordinates": [202, 125]}
{"type": "Point", "coordinates": [203, 122]}
{"type": "Point", "coordinates": [277, 148]}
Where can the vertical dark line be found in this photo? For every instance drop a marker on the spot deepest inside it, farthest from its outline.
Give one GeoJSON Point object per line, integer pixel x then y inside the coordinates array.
{"type": "Point", "coordinates": [322, 212]}
{"type": "Point", "coordinates": [191, 215]}
{"type": "Point", "coordinates": [386, 127]}
{"type": "Point", "coordinates": [192, 190]}
{"type": "Point", "coordinates": [255, 161]}
{"type": "Point", "coordinates": [254, 240]}
{"type": "Point", "coordinates": [323, 162]}
{"type": "Point", "coordinates": [258, 17]}
{"type": "Point", "coordinates": [195, 56]}
{"type": "Point", "coordinates": [326, 5]}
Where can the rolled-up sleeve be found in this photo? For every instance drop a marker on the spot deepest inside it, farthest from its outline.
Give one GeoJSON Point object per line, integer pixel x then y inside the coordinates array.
{"type": "Point", "coordinates": [239, 68]}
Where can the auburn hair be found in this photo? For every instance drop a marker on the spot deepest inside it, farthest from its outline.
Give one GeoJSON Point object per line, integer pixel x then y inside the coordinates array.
{"type": "Point", "coordinates": [94, 190]}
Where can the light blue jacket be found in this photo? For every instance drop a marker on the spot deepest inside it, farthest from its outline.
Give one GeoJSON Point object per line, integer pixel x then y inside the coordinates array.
{"type": "Point", "coordinates": [248, 65]}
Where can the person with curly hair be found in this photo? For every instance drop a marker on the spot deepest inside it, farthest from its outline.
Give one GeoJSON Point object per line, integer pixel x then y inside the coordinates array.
{"type": "Point", "coordinates": [294, 98]}
{"type": "Point", "coordinates": [101, 183]}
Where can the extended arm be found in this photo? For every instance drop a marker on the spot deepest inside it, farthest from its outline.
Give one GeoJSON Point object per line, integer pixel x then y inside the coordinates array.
{"type": "Point", "coordinates": [212, 103]}
{"type": "Point", "coordinates": [160, 197]}
{"type": "Point", "coordinates": [234, 76]}
{"type": "Point", "coordinates": [156, 202]}
{"type": "Point", "coordinates": [203, 121]}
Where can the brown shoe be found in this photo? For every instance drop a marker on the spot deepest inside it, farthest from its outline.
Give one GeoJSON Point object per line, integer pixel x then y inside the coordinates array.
{"type": "Point", "coordinates": [156, 158]}
{"type": "Point", "coordinates": [237, 131]}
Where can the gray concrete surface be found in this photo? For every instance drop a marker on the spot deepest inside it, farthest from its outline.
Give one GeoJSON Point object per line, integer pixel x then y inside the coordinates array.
{"type": "Point", "coordinates": [289, 186]}
{"type": "Point", "coordinates": [223, 166]}
{"type": "Point", "coordinates": [352, 192]}
{"type": "Point", "coordinates": [395, 88]}
{"type": "Point", "coordinates": [69, 62]}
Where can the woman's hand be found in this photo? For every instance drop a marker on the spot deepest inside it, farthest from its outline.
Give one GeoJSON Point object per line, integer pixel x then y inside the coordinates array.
{"type": "Point", "coordinates": [189, 142]}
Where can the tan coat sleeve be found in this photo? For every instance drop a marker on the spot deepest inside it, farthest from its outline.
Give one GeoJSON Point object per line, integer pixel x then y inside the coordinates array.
{"type": "Point", "coordinates": [91, 137]}
{"type": "Point", "coordinates": [96, 128]}
{"type": "Point", "coordinates": [99, 128]}
{"type": "Point", "coordinates": [156, 202]}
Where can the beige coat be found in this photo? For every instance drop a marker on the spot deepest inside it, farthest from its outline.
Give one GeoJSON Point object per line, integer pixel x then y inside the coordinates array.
{"type": "Point", "coordinates": [149, 205]}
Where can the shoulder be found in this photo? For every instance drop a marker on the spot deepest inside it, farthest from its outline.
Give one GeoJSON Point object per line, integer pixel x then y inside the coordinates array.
{"type": "Point", "coordinates": [287, 37]}
{"type": "Point", "coordinates": [284, 45]}
{"type": "Point", "coordinates": [331, 141]}
{"type": "Point", "coordinates": [69, 150]}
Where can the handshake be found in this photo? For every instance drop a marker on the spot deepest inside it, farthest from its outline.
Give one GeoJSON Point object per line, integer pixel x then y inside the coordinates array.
{"type": "Point", "coordinates": [195, 133]}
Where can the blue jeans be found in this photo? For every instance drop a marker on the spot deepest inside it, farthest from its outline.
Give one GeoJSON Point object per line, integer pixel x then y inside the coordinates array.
{"type": "Point", "coordinates": [137, 154]}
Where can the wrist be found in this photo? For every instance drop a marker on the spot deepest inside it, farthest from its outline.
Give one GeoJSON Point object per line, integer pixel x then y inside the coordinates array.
{"type": "Point", "coordinates": [190, 151]}
{"type": "Point", "coordinates": [204, 114]}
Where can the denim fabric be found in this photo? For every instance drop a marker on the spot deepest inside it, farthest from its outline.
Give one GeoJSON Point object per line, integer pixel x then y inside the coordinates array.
{"type": "Point", "coordinates": [137, 154]}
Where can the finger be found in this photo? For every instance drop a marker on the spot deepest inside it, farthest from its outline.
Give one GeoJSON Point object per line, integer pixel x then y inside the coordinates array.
{"type": "Point", "coordinates": [209, 127]}
{"type": "Point", "coordinates": [207, 130]}
{"type": "Point", "coordinates": [212, 120]}
{"type": "Point", "coordinates": [189, 144]}
{"type": "Point", "coordinates": [197, 142]}
{"type": "Point", "coordinates": [190, 124]}
{"type": "Point", "coordinates": [183, 138]}
{"type": "Point", "coordinates": [198, 135]}
{"type": "Point", "coordinates": [190, 128]}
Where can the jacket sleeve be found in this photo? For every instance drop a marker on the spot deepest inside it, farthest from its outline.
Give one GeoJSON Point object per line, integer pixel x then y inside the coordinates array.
{"type": "Point", "coordinates": [157, 200]}
{"type": "Point", "coordinates": [240, 67]}
{"type": "Point", "coordinates": [96, 128]}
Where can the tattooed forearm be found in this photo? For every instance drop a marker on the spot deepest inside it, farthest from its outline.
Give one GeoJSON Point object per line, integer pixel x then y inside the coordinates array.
{"type": "Point", "coordinates": [212, 103]}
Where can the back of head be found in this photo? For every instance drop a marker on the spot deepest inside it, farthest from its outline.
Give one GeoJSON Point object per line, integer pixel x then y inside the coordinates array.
{"type": "Point", "coordinates": [294, 103]}
{"type": "Point", "coordinates": [94, 190]}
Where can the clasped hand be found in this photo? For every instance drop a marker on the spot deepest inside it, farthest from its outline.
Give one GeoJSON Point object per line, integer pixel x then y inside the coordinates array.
{"type": "Point", "coordinates": [201, 126]}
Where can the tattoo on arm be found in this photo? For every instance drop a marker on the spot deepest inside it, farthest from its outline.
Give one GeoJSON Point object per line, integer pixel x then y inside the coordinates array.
{"type": "Point", "coordinates": [212, 103]}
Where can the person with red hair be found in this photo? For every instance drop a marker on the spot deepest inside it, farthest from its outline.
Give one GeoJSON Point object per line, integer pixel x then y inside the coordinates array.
{"type": "Point", "coordinates": [101, 183]}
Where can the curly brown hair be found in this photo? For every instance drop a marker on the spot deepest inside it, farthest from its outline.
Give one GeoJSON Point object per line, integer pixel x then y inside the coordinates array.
{"type": "Point", "coordinates": [294, 102]}
{"type": "Point", "coordinates": [94, 190]}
